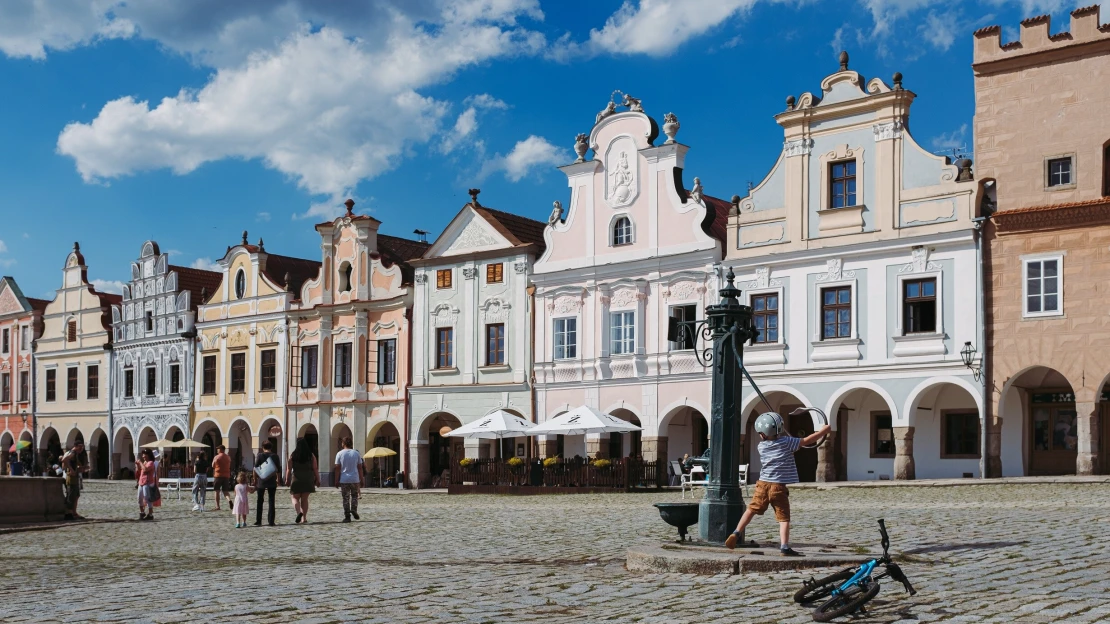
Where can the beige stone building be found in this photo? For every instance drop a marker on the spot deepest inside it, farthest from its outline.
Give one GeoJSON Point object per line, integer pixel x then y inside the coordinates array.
{"type": "Point", "coordinates": [72, 362]}
{"type": "Point", "coordinates": [1042, 145]}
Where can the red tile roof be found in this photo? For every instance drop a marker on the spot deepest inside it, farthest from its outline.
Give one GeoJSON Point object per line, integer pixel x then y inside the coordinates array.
{"type": "Point", "coordinates": [517, 229]}
{"type": "Point", "coordinates": [398, 251]}
{"type": "Point", "coordinates": [196, 281]}
{"type": "Point", "coordinates": [716, 218]}
{"type": "Point", "coordinates": [38, 304]}
{"type": "Point", "coordinates": [299, 271]}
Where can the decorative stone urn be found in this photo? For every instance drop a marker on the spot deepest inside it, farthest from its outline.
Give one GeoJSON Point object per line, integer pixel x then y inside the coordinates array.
{"type": "Point", "coordinates": [670, 126]}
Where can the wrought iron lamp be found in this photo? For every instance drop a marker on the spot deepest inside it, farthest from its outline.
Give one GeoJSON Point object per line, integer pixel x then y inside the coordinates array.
{"type": "Point", "coordinates": [968, 354]}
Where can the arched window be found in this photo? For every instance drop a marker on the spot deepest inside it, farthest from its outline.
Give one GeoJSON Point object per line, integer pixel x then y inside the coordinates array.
{"type": "Point", "coordinates": [240, 284]}
{"type": "Point", "coordinates": [622, 231]}
{"type": "Point", "coordinates": [345, 270]}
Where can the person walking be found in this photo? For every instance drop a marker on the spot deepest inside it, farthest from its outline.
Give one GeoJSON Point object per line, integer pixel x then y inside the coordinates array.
{"type": "Point", "coordinates": [146, 474]}
{"type": "Point", "coordinates": [302, 473]}
{"type": "Point", "coordinates": [266, 480]}
{"type": "Point", "coordinates": [347, 476]}
{"type": "Point", "coordinates": [201, 466]}
{"type": "Point", "coordinates": [72, 467]}
{"type": "Point", "coordinates": [221, 477]}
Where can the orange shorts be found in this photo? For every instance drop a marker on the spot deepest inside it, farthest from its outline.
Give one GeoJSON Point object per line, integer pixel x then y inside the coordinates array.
{"type": "Point", "coordinates": [774, 494]}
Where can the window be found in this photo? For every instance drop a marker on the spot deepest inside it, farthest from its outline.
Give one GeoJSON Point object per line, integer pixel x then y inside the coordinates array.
{"type": "Point", "coordinates": [308, 366]}
{"type": "Point", "coordinates": [208, 375]}
{"type": "Point", "coordinates": [566, 338]}
{"type": "Point", "coordinates": [882, 435]}
{"type": "Point", "coordinates": [240, 284]}
{"type": "Point", "coordinates": [843, 189]}
{"type": "Point", "coordinates": [343, 365]}
{"type": "Point", "coordinates": [175, 379]}
{"type": "Point", "coordinates": [495, 344]}
{"type": "Point", "coordinates": [24, 338]}
{"type": "Point", "coordinates": [919, 306]}
{"type": "Point", "coordinates": [443, 278]}
{"type": "Point", "coordinates": [961, 435]}
{"type": "Point", "coordinates": [238, 372]}
{"type": "Point", "coordinates": [765, 311]}
{"type": "Point", "coordinates": [495, 273]}
{"type": "Point", "coordinates": [149, 320]}
{"type": "Point", "coordinates": [345, 271]}
{"type": "Point", "coordinates": [71, 331]}
{"type": "Point", "coordinates": [129, 382]}
{"type": "Point", "coordinates": [51, 383]}
{"type": "Point", "coordinates": [1042, 287]}
{"type": "Point", "coordinates": [268, 378]}
{"type": "Point", "coordinates": [836, 312]}
{"type": "Point", "coordinates": [151, 381]}
{"type": "Point", "coordinates": [92, 382]}
{"type": "Point", "coordinates": [1060, 172]}
{"type": "Point", "coordinates": [1106, 170]}
{"type": "Point", "coordinates": [5, 388]}
{"type": "Point", "coordinates": [71, 383]}
{"type": "Point", "coordinates": [24, 386]}
{"type": "Point", "coordinates": [387, 362]}
{"type": "Point", "coordinates": [5, 340]}
{"type": "Point", "coordinates": [445, 347]}
{"type": "Point", "coordinates": [622, 332]}
{"type": "Point", "coordinates": [687, 335]}
{"type": "Point", "coordinates": [622, 231]}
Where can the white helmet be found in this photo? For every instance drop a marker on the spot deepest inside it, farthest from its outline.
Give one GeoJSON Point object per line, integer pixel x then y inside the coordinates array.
{"type": "Point", "coordinates": [770, 424]}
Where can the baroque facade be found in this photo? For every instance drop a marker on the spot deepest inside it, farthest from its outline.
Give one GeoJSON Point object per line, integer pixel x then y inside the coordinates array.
{"type": "Point", "coordinates": [472, 348]}
{"type": "Point", "coordinates": [633, 248]}
{"type": "Point", "coordinates": [20, 326]}
{"type": "Point", "coordinates": [1042, 141]}
{"type": "Point", "coordinates": [349, 342]}
{"type": "Point", "coordinates": [154, 353]}
{"type": "Point", "coordinates": [72, 359]}
{"type": "Point", "coordinates": [858, 255]}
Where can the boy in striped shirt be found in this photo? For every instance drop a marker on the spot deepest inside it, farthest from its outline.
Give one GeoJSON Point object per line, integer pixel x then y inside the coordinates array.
{"type": "Point", "coordinates": [776, 456]}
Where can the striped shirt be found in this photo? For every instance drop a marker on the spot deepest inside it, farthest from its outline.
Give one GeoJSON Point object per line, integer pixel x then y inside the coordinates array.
{"type": "Point", "coordinates": [777, 459]}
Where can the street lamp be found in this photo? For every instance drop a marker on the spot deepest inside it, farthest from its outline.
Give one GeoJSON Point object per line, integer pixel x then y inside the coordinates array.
{"type": "Point", "coordinates": [968, 354]}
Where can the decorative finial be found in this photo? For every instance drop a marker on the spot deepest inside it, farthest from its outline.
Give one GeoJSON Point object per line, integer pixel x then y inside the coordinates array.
{"type": "Point", "coordinates": [474, 196]}
{"type": "Point", "coordinates": [581, 146]}
{"type": "Point", "coordinates": [790, 101]}
{"type": "Point", "coordinates": [289, 278]}
{"type": "Point", "coordinates": [730, 277]}
{"type": "Point", "coordinates": [735, 210]}
{"type": "Point", "coordinates": [76, 246]}
{"type": "Point", "coordinates": [261, 245]}
{"type": "Point", "coordinates": [632, 103]}
{"type": "Point", "coordinates": [350, 203]}
{"type": "Point", "coordinates": [670, 126]}
{"type": "Point", "coordinates": [897, 81]}
{"type": "Point", "coordinates": [203, 294]}
{"type": "Point", "coordinates": [245, 238]}
{"type": "Point", "coordinates": [843, 60]}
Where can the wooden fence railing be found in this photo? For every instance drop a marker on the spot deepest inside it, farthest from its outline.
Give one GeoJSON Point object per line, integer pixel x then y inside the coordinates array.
{"type": "Point", "coordinates": [620, 474]}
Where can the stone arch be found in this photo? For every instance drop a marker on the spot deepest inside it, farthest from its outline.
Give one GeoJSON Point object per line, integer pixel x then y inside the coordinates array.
{"type": "Point", "coordinates": [752, 401]}
{"type": "Point", "coordinates": [423, 425]}
{"type": "Point", "coordinates": [100, 457]}
{"type": "Point", "coordinates": [838, 397]}
{"type": "Point", "coordinates": [123, 454]}
{"type": "Point", "coordinates": [1040, 429]}
{"type": "Point", "coordinates": [683, 430]}
{"type": "Point", "coordinates": [946, 442]}
{"type": "Point", "coordinates": [435, 453]}
{"type": "Point", "coordinates": [782, 399]}
{"type": "Point", "coordinates": [339, 430]}
{"type": "Point", "coordinates": [74, 436]}
{"type": "Point", "coordinates": [177, 456]}
{"type": "Point", "coordinates": [619, 445]}
{"type": "Point", "coordinates": [240, 444]}
{"type": "Point", "coordinates": [384, 434]}
{"type": "Point", "coordinates": [853, 452]}
{"type": "Point", "coordinates": [6, 442]}
{"type": "Point", "coordinates": [311, 436]}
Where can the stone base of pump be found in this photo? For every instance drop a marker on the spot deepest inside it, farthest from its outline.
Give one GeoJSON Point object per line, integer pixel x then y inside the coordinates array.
{"type": "Point", "coordinates": [698, 558]}
{"type": "Point", "coordinates": [31, 499]}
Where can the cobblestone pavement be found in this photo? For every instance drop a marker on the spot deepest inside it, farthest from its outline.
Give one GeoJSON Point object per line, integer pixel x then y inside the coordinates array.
{"type": "Point", "coordinates": [1008, 553]}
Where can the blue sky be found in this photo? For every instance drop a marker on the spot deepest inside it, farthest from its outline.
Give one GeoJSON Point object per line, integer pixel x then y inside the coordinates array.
{"type": "Point", "coordinates": [188, 122]}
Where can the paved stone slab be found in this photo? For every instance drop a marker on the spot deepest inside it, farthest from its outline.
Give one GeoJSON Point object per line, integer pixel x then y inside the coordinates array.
{"type": "Point", "coordinates": [704, 559]}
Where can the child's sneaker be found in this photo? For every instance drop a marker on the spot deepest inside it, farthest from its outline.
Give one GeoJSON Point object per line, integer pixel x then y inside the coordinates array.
{"type": "Point", "coordinates": [196, 507]}
{"type": "Point", "coordinates": [787, 551]}
{"type": "Point", "coordinates": [730, 541]}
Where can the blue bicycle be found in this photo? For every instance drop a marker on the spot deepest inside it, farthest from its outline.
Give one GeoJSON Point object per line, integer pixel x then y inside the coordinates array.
{"type": "Point", "coordinates": [848, 590]}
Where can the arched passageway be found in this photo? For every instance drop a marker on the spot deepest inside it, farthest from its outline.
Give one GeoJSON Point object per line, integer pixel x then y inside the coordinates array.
{"type": "Point", "coordinates": [1038, 408]}
{"type": "Point", "coordinates": [379, 469]}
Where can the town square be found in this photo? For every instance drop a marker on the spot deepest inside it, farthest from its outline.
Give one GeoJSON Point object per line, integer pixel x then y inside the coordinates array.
{"type": "Point", "coordinates": [487, 310]}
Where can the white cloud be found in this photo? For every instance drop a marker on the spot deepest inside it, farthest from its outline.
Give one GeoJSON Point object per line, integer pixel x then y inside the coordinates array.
{"type": "Point", "coordinates": [29, 27]}
{"type": "Point", "coordinates": [262, 217]}
{"type": "Point", "coordinates": [108, 286]}
{"type": "Point", "coordinates": [950, 140]}
{"type": "Point", "coordinates": [3, 247]}
{"type": "Point", "coordinates": [467, 123]}
{"type": "Point", "coordinates": [327, 108]}
{"type": "Point", "coordinates": [26, 235]}
{"type": "Point", "coordinates": [525, 156]}
{"type": "Point", "coordinates": [7, 262]}
{"type": "Point", "coordinates": [205, 264]}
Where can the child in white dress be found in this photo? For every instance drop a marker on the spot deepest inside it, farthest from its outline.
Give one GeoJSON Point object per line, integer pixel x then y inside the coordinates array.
{"type": "Point", "coordinates": [242, 505]}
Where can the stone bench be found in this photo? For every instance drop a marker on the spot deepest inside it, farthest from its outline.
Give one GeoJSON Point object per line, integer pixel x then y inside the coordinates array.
{"type": "Point", "coordinates": [31, 499]}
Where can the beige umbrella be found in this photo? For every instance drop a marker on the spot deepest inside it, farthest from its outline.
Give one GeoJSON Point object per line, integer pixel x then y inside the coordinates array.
{"type": "Point", "coordinates": [376, 452]}
{"type": "Point", "coordinates": [158, 444]}
{"type": "Point", "coordinates": [187, 443]}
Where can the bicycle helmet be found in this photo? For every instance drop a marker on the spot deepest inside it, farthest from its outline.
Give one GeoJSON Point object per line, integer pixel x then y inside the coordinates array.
{"type": "Point", "coordinates": [770, 425]}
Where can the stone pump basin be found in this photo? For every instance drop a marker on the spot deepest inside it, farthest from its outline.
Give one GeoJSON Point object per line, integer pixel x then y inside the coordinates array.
{"type": "Point", "coordinates": [679, 515]}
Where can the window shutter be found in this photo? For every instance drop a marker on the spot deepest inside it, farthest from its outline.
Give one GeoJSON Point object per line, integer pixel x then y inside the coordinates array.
{"type": "Point", "coordinates": [371, 362]}
{"type": "Point", "coordinates": [295, 365]}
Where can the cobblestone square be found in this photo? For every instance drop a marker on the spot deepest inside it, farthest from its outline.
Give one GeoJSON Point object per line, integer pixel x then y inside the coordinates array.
{"type": "Point", "coordinates": [984, 553]}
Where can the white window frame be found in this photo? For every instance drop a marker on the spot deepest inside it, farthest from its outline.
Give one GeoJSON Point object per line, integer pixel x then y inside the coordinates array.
{"type": "Point", "coordinates": [504, 344]}
{"type": "Point", "coordinates": [555, 332]}
{"type": "Point", "coordinates": [782, 317]}
{"type": "Point", "coordinates": [1058, 256]}
{"type": "Point", "coordinates": [899, 320]}
{"type": "Point", "coordinates": [1047, 173]}
{"type": "Point", "coordinates": [25, 338]}
{"type": "Point", "coordinates": [631, 230]}
{"type": "Point", "coordinates": [624, 339]}
{"type": "Point", "coordinates": [7, 346]}
{"type": "Point", "coordinates": [820, 324]}
{"type": "Point", "coordinates": [697, 314]}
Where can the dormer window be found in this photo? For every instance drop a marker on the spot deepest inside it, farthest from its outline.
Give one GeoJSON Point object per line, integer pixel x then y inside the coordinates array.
{"type": "Point", "coordinates": [345, 270]}
{"type": "Point", "coordinates": [843, 187]}
{"type": "Point", "coordinates": [240, 284]}
{"type": "Point", "coordinates": [622, 231]}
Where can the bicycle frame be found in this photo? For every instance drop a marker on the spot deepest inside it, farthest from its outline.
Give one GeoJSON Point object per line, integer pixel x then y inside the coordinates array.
{"type": "Point", "coordinates": [863, 572]}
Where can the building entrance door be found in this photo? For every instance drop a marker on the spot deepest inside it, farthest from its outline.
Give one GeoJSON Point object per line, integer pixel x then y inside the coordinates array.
{"type": "Point", "coordinates": [1055, 434]}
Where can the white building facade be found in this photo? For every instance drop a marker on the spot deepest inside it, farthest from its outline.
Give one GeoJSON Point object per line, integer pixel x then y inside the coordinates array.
{"type": "Point", "coordinates": [153, 350]}
{"type": "Point", "coordinates": [858, 254]}
{"type": "Point", "coordinates": [472, 347]}
{"type": "Point", "coordinates": [633, 248]}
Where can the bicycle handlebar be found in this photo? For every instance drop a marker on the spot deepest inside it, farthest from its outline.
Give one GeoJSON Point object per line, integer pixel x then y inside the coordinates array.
{"type": "Point", "coordinates": [886, 537]}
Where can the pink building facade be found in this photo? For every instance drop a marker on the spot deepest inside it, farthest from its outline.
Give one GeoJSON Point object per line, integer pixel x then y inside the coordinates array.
{"type": "Point", "coordinates": [20, 325]}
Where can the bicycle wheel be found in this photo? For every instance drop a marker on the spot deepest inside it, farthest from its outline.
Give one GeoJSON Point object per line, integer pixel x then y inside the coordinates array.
{"type": "Point", "coordinates": [821, 588]}
{"type": "Point", "coordinates": [845, 604]}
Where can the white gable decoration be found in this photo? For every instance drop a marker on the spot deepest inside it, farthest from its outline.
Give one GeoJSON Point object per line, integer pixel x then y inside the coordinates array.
{"type": "Point", "coordinates": [474, 234]}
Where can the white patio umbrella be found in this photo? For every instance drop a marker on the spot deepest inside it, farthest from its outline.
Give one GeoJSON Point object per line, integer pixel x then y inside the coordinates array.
{"type": "Point", "coordinates": [499, 424]}
{"type": "Point", "coordinates": [583, 420]}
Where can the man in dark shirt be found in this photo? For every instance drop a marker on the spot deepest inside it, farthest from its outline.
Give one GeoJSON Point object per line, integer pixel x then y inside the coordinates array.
{"type": "Point", "coordinates": [201, 466]}
{"type": "Point", "coordinates": [269, 484]}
